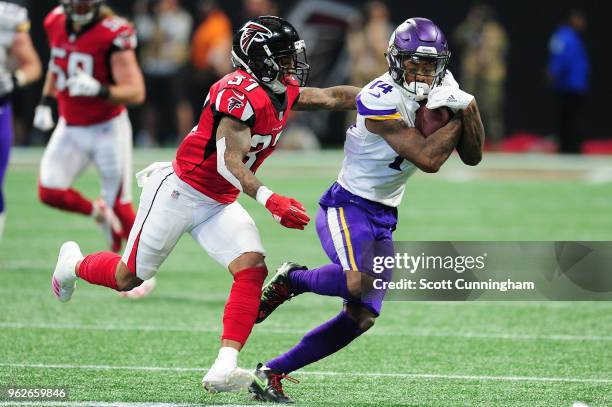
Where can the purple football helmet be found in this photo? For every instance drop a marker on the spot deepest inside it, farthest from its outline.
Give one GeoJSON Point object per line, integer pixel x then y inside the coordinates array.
{"type": "Point", "coordinates": [417, 39]}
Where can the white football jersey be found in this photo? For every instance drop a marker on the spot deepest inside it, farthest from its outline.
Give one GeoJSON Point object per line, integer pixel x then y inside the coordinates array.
{"type": "Point", "coordinates": [13, 18]}
{"type": "Point", "coordinates": [371, 168]}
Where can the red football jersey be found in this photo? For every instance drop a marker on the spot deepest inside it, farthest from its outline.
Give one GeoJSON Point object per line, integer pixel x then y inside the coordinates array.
{"type": "Point", "coordinates": [240, 96]}
{"type": "Point", "coordinates": [90, 51]}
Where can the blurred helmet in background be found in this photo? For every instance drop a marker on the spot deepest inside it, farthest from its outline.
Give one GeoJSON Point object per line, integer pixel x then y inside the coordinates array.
{"type": "Point", "coordinates": [82, 12]}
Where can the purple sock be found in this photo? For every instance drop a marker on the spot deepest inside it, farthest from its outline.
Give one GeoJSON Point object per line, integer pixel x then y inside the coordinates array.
{"type": "Point", "coordinates": [321, 342]}
{"type": "Point", "coordinates": [326, 280]}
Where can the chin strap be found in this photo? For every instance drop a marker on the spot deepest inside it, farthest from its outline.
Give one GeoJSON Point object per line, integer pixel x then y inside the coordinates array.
{"type": "Point", "coordinates": [276, 86]}
{"type": "Point", "coordinates": [418, 90]}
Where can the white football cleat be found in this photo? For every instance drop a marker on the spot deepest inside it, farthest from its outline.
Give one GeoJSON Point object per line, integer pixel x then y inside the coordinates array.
{"type": "Point", "coordinates": [237, 379]}
{"type": "Point", "coordinates": [64, 277]}
{"type": "Point", "coordinates": [142, 290]}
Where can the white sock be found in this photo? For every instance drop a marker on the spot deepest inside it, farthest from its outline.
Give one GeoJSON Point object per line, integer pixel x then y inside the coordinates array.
{"type": "Point", "coordinates": [227, 359]}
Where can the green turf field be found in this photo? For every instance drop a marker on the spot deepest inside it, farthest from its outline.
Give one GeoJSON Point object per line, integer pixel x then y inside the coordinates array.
{"type": "Point", "coordinates": [107, 349]}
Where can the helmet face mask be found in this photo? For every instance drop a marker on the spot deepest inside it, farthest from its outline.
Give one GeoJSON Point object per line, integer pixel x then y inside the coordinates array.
{"type": "Point", "coordinates": [418, 56]}
{"type": "Point", "coordinates": [81, 12]}
{"type": "Point", "coordinates": [293, 68]}
{"type": "Point", "coordinates": [270, 49]}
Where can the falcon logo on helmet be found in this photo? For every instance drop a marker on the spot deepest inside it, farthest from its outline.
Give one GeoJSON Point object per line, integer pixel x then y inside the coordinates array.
{"type": "Point", "coordinates": [253, 32]}
{"type": "Point", "coordinates": [270, 49]}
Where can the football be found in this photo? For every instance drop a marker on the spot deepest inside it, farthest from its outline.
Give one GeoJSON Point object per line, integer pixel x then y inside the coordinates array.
{"type": "Point", "coordinates": [429, 120]}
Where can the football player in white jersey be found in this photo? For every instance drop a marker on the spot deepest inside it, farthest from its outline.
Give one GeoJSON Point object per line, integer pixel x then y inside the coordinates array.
{"type": "Point", "coordinates": [382, 150]}
{"type": "Point", "coordinates": [19, 66]}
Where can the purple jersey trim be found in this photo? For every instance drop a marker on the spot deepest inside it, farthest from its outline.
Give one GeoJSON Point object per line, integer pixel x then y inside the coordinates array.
{"type": "Point", "coordinates": [364, 111]}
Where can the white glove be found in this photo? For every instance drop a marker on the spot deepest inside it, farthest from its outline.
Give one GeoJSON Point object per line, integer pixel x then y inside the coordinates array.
{"type": "Point", "coordinates": [43, 118]}
{"type": "Point", "coordinates": [451, 97]}
{"type": "Point", "coordinates": [7, 84]}
{"type": "Point", "coordinates": [83, 84]}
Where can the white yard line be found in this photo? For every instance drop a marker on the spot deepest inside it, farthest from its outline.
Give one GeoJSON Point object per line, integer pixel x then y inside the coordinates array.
{"type": "Point", "coordinates": [291, 331]}
{"type": "Point", "coordinates": [427, 376]}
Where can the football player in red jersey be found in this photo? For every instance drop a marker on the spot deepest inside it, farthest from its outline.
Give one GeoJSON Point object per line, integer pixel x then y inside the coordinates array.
{"type": "Point", "coordinates": [93, 73]}
{"type": "Point", "coordinates": [241, 122]}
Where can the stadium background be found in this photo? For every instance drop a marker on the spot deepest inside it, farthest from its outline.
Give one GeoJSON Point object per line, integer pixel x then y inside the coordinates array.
{"type": "Point", "coordinates": [105, 349]}
{"type": "Point", "coordinates": [529, 25]}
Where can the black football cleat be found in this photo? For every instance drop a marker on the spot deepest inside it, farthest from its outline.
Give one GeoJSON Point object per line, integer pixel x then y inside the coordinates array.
{"type": "Point", "coordinates": [277, 291]}
{"type": "Point", "coordinates": [267, 386]}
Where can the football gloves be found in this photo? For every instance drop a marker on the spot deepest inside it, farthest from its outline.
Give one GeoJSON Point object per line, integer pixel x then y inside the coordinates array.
{"type": "Point", "coordinates": [287, 211]}
{"type": "Point", "coordinates": [43, 117]}
{"type": "Point", "coordinates": [83, 84]}
{"type": "Point", "coordinates": [449, 96]}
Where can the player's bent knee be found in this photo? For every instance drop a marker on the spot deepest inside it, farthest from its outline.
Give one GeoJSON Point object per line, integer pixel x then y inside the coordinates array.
{"type": "Point", "coordinates": [358, 284]}
{"type": "Point", "coordinates": [361, 315]}
{"type": "Point", "coordinates": [126, 280]}
{"type": "Point", "coordinates": [49, 196]}
{"type": "Point", "coordinates": [128, 283]}
{"type": "Point", "coordinates": [366, 323]}
{"type": "Point", "coordinates": [245, 261]}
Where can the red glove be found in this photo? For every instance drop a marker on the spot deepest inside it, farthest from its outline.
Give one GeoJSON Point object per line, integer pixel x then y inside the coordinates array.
{"type": "Point", "coordinates": [287, 211]}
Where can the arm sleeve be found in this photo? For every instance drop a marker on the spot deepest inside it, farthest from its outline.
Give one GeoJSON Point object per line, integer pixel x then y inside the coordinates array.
{"type": "Point", "coordinates": [376, 105]}
{"type": "Point", "coordinates": [21, 20]}
{"type": "Point", "coordinates": [449, 80]}
{"type": "Point", "coordinates": [233, 103]}
{"type": "Point", "coordinates": [125, 39]}
{"type": "Point", "coordinates": [222, 167]}
{"type": "Point", "coordinates": [50, 20]}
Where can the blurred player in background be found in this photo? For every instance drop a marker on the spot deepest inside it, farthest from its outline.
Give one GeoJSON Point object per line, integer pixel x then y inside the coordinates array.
{"type": "Point", "coordinates": [484, 47]}
{"type": "Point", "coordinates": [569, 69]}
{"type": "Point", "coordinates": [382, 150]}
{"type": "Point", "coordinates": [16, 50]}
{"type": "Point", "coordinates": [240, 124]}
{"type": "Point", "coordinates": [93, 73]}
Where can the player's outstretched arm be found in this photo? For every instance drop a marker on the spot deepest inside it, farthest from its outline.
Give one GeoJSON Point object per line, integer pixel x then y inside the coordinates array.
{"type": "Point", "coordinates": [129, 85]}
{"type": "Point", "coordinates": [428, 154]}
{"type": "Point", "coordinates": [471, 142]}
{"type": "Point", "coordinates": [334, 98]}
{"type": "Point", "coordinates": [233, 145]}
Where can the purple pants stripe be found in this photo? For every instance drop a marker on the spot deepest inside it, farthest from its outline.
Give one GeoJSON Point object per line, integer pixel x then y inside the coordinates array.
{"type": "Point", "coordinates": [346, 234]}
